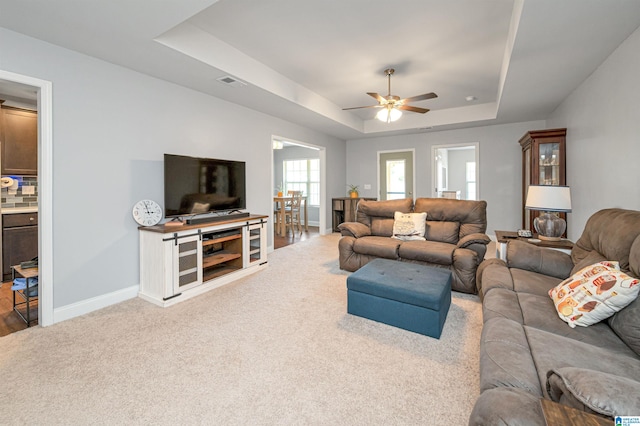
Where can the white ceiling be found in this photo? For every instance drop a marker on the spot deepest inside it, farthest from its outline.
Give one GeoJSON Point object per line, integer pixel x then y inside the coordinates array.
{"type": "Point", "coordinates": [304, 61]}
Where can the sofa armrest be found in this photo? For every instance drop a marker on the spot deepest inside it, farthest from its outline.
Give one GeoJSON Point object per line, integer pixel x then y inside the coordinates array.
{"type": "Point", "coordinates": [476, 238]}
{"type": "Point", "coordinates": [523, 255]}
{"type": "Point", "coordinates": [354, 229]}
{"type": "Point", "coordinates": [594, 391]}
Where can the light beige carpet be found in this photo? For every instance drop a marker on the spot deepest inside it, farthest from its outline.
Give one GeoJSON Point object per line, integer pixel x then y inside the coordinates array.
{"type": "Point", "coordinates": [274, 348]}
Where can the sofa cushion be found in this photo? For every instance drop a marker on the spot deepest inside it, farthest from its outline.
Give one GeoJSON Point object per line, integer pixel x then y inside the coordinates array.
{"type": "Point", "coordinates": [626, 324]}
{"type": "Point", "coordinates": [551, 351]}
{"type": "Point", "coordinates": [612, 233]}
{"type": "Point", "coordinates": [427, 251]}
{"type": "Point", "coordinates": [523, 255]}
{"type": "Point", "coordinates": [445, 232]}
{"type": "Point", "coordinates": [592, 390]}
{"type": "Point", "coordinates": [591, 258]}
{"type": "Point", "coordinates": [505, 357]}
{"type": "Point", "coordinates": [409, 226]}
{"type": "Point", "coordinates": [594, 293]}
{"type": "Point", "coordinates": [533, 282]}
{"type": "Point", "coordinates": [472, 215]}
{"type": "Point", "coordinates": [367, 210]}
{"type": "Point", "coordinates": [539, 312]}
{"type": "Point", "coordinates": [377, 246]}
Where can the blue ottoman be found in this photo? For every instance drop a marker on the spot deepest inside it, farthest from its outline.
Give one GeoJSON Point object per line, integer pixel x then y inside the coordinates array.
{"type": "Point", "coordinates": [406, 295]}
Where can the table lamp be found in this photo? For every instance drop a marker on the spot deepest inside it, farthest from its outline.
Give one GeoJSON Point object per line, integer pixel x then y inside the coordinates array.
{"type": "Point", "coordinates": [549, 199]}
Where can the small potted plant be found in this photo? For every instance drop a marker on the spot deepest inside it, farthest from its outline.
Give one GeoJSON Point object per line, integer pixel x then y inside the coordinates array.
{"type": "Point", "coordinates": [280, 190]}
{"type": "Point", "coordinates": [353, 191]}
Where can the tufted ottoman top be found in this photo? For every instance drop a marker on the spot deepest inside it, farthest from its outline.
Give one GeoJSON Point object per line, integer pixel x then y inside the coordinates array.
{"type": "Point", "coordinates": [410, 283]}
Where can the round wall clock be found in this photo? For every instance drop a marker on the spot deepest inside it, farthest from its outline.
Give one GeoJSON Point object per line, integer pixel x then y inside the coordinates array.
{"type": "Point", "coordinates": [147, 212]}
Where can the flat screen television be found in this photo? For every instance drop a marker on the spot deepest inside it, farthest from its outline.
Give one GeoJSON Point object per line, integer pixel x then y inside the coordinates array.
{"type": "Point", "coordinates": [202, 185]}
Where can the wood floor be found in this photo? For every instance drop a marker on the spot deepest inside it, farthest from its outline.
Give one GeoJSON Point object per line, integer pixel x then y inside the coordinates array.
{"type": "Point", "coordinates": [292, 238]}
{"type": "Point", "coordinates": [9, 320]}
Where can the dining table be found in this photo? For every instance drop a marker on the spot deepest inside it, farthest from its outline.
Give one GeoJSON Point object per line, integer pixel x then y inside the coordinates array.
{"type": "Point", "coordinates": [281, 203]}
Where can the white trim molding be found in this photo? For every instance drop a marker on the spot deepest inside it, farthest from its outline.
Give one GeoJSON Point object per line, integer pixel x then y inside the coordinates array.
{"type": "Point", "coordinates": [45, 189]}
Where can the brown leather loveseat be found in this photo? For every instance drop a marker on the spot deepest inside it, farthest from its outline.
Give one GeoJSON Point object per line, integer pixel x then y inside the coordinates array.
{"type": "Point", "coordinates": [455, 237]}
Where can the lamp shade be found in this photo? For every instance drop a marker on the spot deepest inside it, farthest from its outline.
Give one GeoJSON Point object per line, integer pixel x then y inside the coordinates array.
{"type": "Point", "coordinates": [388, 114]}
{"type": "Point", "coordinates": [549, 198]}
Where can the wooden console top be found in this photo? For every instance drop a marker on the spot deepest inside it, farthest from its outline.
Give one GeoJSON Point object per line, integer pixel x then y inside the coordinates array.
{"type": "Point", "coordinates": [167, 229]}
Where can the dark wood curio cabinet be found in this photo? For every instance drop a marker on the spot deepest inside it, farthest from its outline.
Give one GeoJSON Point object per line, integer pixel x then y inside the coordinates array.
{"type": "Point", "coordinates": [543, 163]}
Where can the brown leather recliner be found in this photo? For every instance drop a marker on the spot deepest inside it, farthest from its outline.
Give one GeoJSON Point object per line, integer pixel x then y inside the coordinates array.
{"type": "Point", "coordinates": [455, 237]}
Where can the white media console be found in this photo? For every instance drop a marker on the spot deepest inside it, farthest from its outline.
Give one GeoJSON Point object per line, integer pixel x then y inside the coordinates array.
{"type": "Point", "coordinates": [180, 262]}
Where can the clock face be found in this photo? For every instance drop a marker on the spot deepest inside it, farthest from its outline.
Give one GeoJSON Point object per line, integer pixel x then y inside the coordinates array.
{"type": "Point", "coordinates": [147, 212]}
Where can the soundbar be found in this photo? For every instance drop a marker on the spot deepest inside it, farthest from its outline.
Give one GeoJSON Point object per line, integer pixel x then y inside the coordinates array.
{"type": "Point", "coordinates": [209, 219]}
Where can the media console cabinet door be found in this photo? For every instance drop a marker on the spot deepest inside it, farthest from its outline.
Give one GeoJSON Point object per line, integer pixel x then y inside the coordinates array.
{"type": "Point", "coordinates": [187, 263]}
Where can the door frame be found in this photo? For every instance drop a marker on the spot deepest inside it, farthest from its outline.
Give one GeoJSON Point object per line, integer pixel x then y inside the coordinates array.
{"type": "Point", "coordinates": [45, 191]}
{"type": "Point", "coordinates": [322, 151]}
{"type": "Point", "coordinates": [434, 171]}
{"type": "Point", "coordinates": [413, 159]}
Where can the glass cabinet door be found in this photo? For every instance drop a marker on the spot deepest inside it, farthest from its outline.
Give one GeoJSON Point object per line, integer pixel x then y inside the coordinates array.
{"type": "Point", "coordinates": [549, 164]}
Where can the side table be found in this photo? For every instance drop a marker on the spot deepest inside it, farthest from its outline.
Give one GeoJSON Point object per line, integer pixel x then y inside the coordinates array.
{"type": "Point", "coordinates": [503, 237]}
{"type": "Point", "coordinates": [561, 415]}
{"type": "Point", "coordinates": [27, 274]}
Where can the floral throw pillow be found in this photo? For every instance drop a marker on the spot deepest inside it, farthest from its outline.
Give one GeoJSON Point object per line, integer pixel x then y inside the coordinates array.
{"type": "Point", "coordinates": [594, 293]}
{"type": "Point", "coordinates": [409, 226]}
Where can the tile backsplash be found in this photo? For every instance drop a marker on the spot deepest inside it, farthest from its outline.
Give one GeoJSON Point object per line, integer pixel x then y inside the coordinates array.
{"type": "Point", "coordinates": [19, 197]}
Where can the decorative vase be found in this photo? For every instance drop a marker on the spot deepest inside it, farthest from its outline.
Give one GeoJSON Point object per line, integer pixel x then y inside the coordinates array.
{"type": "Point", "coordinates": [353, 194]}
{"type": "Point", "coordinates": [279, 193]}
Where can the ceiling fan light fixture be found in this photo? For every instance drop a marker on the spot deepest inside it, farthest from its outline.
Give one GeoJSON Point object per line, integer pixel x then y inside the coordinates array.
{"type": "Point", "coordinates": [387, 115]}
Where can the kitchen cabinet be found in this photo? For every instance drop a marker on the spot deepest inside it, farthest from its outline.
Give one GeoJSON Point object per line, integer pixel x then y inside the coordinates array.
{"type": "Point", "coordinates": [19, 240]}
{"type": "Point", "coordinates": [19, 136]}
{"type": "Point", "coordinates": [543, 163]}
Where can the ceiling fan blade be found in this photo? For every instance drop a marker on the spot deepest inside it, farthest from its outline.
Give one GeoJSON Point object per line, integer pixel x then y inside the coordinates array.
{"type": "Point", "coordinates": [368, 106]}
{"type": "Point", "coordinates": [420, 97]}
{"type": "Point", "coordinates": [412, 109]}
{"type": "Point", "coordinates": [377, 97]}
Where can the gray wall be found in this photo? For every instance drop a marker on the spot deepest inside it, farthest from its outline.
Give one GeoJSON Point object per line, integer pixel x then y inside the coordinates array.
{"type": "Point", "coordinates": [500, 165]}
{"type": "Point", "coordinates": [602, 117]}
{"type": "Point", "coordinates": [111, 127]}
{"type": "Point", "coordinates": [295, 153]}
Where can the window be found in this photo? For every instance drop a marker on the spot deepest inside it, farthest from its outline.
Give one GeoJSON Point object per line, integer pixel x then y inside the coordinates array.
{"type": "Point", "coordinates": [303, 175]}
{"type": "Point", "coordinates": [471, 180]}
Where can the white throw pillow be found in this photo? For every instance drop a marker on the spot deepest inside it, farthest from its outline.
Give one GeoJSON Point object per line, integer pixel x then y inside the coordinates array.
{"type": "Point", "coordinates": [409, 226]}
{"type": "Point", "coordinates": [594, 293]}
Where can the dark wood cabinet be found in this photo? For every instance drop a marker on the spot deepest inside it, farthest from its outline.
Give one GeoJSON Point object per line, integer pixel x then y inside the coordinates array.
{"type": "Point", "coordinates": [543, 163]}
{"type": "Point", "coordinates": [19, 135]}
{"type": "Point", "coordinates": [19, 240]}
{"type": "Point", "coordinates": [344, 210]}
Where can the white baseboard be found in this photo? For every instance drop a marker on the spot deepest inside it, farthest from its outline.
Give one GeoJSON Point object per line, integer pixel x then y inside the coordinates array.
{"type": "Point", "coordinates": [85, 306]}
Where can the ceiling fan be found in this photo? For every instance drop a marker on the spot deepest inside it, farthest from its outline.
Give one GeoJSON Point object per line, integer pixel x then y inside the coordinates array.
{"type": "Point", "coordinates": [392, 105]}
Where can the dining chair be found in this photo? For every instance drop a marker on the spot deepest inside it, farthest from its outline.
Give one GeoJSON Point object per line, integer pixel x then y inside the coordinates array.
{"type": "Point", "coordinates": [292, 213]}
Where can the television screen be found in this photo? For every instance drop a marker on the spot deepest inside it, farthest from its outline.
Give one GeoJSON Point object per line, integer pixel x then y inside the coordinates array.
{"type": "Point", "coordinates": [202, 185]}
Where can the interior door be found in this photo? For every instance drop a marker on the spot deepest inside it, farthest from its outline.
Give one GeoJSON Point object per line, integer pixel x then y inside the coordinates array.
{"type": "Point", "coordinates": [395, 177]}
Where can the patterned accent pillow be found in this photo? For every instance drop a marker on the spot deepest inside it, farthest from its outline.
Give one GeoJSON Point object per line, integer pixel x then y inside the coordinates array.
{"type": "Point", "coordinates": [409, 226]}
{"type": "Point", "coordinates": [594, 293]}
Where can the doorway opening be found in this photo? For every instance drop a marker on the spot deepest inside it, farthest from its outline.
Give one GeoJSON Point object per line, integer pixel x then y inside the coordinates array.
{"type": "Point", "coordinates": [396, 179]}
{"type": "Point", "coordinates": [456, 171]}
{"type": "Point", "coordinates": [40, 91]}
{"type": "Point", "coordinates": [298, 166]}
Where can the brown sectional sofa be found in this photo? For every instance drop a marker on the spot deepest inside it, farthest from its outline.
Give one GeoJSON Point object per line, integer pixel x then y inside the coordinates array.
{"type": "Point", "coordinates": [455, 237]}
{"type": "Point", "coordinates": [527, 352]}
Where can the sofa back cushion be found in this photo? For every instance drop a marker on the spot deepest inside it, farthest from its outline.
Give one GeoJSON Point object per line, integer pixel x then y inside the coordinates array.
{"type": "Point", "coordinates": [379, 215]}
{"type": "Point", "coordinates": [449, 220]}
{"type": "Point", "coordinates": [614, 233]}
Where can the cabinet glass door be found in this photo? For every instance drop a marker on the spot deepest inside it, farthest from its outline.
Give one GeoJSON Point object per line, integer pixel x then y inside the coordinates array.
{"type": "Point", "coordinates": [549, 164]}
{"type": "Point", "coordinates": [188, 263]}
